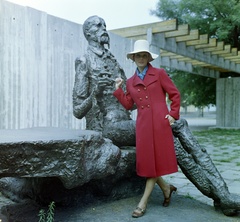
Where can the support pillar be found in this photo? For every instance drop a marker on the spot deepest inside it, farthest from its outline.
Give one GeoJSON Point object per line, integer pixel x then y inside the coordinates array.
{"type": "Point", "coordinates": [228, 102]}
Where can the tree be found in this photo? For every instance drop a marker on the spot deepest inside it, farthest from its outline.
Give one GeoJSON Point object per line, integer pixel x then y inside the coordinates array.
{"type": "Point", "coordinates": [196, 90]}
{"type": "Point", "coordinates": [219, 19]}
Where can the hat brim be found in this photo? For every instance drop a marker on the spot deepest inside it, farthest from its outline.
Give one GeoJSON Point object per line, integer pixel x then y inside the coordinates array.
{"type": "Point", "coordinates": [152, 55]}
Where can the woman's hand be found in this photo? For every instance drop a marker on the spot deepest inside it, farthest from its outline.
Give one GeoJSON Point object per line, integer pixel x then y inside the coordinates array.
{"type": "Point", "coordinates": [170, 119]}
{"type": "Point", "coordinates": [118, 82]}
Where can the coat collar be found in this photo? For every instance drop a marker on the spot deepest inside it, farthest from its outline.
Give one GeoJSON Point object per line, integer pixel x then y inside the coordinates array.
{"type": "Point", "coordinates": [148, 79]}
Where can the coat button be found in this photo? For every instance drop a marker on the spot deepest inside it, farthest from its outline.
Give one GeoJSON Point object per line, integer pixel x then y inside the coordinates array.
{"type": "Point", "coordinates": [139, 90]}
{"type": "Point", "coordinates": [140, 99]}
{"type": "Point", "coordinates": [142, 107]}
{"type": "Point", "coordinates": [146, 97]}
{"type": "Point", "coordinates": [148, 106]}
{"type": "Point", "coordinates": [145, 88]}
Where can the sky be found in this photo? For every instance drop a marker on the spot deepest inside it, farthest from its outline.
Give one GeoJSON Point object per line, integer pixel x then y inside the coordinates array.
{"type": "Point", "coordinates": [116, 13]}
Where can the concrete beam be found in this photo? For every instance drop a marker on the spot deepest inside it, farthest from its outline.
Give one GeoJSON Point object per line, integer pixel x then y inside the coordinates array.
{"type": "Point", "coordinates": [202, 55]}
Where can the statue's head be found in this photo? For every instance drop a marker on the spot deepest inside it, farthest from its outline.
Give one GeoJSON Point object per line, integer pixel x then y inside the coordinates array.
{"type": "Point", "coordinates": [94, 29]}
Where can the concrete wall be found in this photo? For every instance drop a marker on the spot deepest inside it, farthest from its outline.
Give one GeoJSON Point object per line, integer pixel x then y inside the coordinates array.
{"type": "Point", "coordinates": [228, 102]}
{"type": "Point", "coordinates": [37, 54]}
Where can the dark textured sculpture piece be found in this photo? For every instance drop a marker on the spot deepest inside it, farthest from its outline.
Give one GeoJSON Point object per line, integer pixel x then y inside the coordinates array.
{"type": "Point", "coordinates": [198, 167]}
{"type": "Point", "coordinates": [94, 84]}
{"type": "Point", "coordinates": [67, 166]}
{"type": "Point", "coordinates": [92, 98]}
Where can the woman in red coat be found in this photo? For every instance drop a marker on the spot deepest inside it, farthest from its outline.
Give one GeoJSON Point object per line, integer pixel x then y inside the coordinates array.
{"type": "Point", "coordinates": [155, 154]}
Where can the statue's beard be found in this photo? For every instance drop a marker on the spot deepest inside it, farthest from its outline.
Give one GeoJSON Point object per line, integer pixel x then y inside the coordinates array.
{"type": "Point", "coordinates": [104, 39]}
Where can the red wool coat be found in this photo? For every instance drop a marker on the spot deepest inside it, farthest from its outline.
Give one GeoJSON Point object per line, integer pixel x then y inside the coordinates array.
{"type": "Point", "coordinates": [155, 154]}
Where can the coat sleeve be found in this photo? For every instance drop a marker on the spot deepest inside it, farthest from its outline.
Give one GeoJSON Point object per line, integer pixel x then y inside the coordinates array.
{"type": "Point", "coordinates": [173, 94]}
{"type": "Point", "coordinates": [124, 98]}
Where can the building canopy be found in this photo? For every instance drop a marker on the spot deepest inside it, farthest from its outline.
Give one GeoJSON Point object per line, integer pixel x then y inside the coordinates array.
{"type": "Point", "coordinates": [185, 49]}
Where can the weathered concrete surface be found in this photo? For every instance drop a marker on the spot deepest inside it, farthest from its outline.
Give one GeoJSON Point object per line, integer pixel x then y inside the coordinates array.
{"type": "Point", "coordinates": [73, 156]}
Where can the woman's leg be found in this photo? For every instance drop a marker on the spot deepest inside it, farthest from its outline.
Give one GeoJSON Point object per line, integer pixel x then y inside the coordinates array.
{"type": "Point", "coordinates": [150, 183]}
{"type": "Point", "coordinates": [166, 189]}
{"type": "Point", "coordinates": [139, 211]}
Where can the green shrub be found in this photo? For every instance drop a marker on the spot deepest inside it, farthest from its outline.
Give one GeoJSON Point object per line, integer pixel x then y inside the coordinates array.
{"type": "Point", "coordinates": [49, 216]}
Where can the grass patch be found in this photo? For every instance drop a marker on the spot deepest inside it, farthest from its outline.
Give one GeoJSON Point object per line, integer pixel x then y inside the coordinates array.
{"type": "Point", "coordinates": [236, 151]}
{"type": "Point", "coordinates": [223, 148]}
{"type": "Point", "coordinates": [188, 196]}
{"type": "Point", "coordinates": [222, 138]}
{"type": "Point", "coordinates": [223, 145]}
{"type": "Point", "coordinates": [224, 160]}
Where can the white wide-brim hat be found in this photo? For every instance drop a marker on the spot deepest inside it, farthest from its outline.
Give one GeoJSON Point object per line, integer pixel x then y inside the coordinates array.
{"type": "Point", "coordinates": [141, 46]}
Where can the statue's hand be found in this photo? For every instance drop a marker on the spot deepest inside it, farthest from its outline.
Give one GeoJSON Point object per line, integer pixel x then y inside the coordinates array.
{"type": "Point", "coordinates": [104, 80]}
{"type": "Point", "coordinates": [118, 82]}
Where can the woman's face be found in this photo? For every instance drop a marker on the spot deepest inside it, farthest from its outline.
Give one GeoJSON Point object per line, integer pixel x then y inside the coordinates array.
{"type": "Point", "coordinates": [141, 59]}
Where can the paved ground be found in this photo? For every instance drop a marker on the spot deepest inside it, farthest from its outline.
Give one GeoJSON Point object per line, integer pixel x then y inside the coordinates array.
{"type": "Point", "coordinates": [188, 204]}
